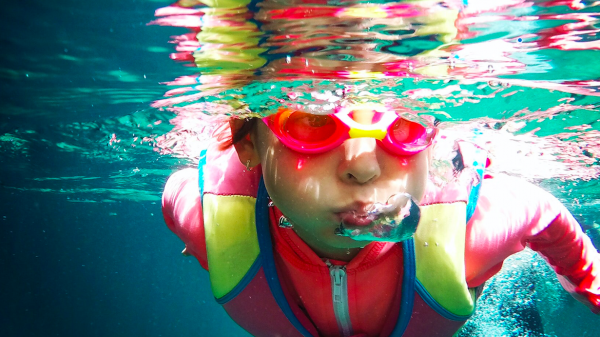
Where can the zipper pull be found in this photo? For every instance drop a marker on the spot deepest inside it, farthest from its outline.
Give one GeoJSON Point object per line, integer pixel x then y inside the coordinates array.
{"type": "Point", "coordinates": [338, 275]}
{"type": "Point", "coordinates": [338, 278]}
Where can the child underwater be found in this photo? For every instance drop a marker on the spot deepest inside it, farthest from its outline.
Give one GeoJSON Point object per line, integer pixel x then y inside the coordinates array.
{"type": "Point", "coordinates": [332, 225]}
{"type": "Point", "coordinates": [366, 222]}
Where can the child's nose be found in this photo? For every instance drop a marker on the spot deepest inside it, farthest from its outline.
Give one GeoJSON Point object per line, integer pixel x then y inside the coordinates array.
{"type": "Point", "coordinates": [360, 164]}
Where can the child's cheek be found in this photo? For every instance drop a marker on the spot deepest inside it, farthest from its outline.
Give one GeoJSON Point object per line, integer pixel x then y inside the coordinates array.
{"type": "Point", "coordinates": [420, 173]}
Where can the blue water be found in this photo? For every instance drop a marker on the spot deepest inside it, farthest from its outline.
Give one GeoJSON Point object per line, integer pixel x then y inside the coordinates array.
{"type": "Point", "coordinates": [83, 247]}
{"type": "Point", "coordinates": [72, 269]}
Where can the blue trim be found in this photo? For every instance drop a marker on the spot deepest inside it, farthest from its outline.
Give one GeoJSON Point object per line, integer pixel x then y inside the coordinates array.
{"type": "Point", "coordinates": [254, 268]}
{"type": "Point", "coordinates": [478, 164]}
{"type": "Point", "coordinates": [268, 261]}
{"type": "Point", "coordinates": [474, 197]}
{"type": "Point", "coordinates": [436, 306]}
{"type": "Point", "coordinates": [201, 165]}
{"type": "Point", "coordinates": [408, 288]}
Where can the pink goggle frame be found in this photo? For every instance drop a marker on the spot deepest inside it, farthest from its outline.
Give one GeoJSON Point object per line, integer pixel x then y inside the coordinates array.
{"type": "Point", "coordinates": [309, 133]}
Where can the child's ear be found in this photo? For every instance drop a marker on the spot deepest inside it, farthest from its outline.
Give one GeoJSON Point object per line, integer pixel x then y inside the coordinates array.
{"type": "Point", "coordinates": [245, 148]}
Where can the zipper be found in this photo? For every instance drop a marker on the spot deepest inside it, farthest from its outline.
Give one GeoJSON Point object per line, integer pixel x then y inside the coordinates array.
{"type": "Point", "coordinates": [339, 290]}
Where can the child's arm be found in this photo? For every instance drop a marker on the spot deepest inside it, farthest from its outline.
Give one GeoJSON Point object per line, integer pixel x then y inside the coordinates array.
{"type": "Point", "coordinates": [182, 210]}
{"type": "Point", "coordinates": [511, 214]}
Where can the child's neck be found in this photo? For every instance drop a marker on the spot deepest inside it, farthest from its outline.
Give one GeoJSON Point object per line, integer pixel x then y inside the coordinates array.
{"type": "Point", "coordinates": [329, 251]}
{"type": "Point", "coordinates": [339, 254]}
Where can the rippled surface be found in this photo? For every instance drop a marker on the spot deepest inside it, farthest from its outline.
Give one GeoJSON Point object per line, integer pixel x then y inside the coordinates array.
{"type": "Point", "coordinates": [530, 43]}
{"type": "Point", "coordinates": [98, 108]}
{"type": "Point", "coordinates": [509, 72]}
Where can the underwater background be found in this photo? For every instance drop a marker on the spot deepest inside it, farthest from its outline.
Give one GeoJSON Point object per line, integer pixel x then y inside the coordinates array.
{"type": "Point", "coordinates": [88, 137]}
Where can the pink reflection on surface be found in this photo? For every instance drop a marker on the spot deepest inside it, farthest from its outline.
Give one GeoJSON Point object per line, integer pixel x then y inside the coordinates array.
{"type": "Point", "coordinates": [400, 42]}
{"type": "Point", "coordinates": [227, 42]}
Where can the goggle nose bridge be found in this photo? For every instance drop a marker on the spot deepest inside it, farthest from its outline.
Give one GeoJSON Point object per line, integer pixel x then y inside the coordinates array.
{"type": "Point", "coordinates": [357, 130]}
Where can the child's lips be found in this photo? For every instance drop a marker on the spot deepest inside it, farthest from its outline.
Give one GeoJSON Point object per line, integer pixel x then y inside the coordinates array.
{"type": "Point", "coordinates": [356, 218]}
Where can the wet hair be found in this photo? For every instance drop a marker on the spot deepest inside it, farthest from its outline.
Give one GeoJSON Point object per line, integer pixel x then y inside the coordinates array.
{"type": "Point", "coordinates": [226, 139]}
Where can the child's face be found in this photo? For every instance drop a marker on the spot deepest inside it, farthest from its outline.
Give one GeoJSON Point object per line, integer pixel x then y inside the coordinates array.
{"type": "Point", "coordinates": [316, 191]}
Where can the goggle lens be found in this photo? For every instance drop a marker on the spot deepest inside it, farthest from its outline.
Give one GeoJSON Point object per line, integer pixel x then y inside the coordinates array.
{"type": "Point", "coordinates": [404, 131]}
{"type": "Point", "coordinates": [308, 128]}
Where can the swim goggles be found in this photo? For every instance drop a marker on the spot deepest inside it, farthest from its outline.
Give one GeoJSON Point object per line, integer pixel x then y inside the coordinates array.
{"type": "Point", "coordinates": [309, 133]}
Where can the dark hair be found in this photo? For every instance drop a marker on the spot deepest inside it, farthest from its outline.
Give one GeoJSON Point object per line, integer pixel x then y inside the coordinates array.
{"type": "Point", "coordinates": [227, 139]}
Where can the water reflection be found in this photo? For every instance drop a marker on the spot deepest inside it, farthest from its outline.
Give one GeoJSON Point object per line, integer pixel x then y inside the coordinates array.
{"type": "Point", "coordinates": [508, 68]}
{"type": "Point", "coordinates": [514, 74]}
{"type": "Point", "coordinates": [516, 41]}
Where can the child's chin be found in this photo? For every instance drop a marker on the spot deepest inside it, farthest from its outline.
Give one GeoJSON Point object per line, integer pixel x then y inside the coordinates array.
{"type": "Point", "coordinates": [344, 242]}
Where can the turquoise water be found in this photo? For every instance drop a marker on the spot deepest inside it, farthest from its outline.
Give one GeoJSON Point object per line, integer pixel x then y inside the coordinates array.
{"type": "Point", "coordinates": [86, 150]}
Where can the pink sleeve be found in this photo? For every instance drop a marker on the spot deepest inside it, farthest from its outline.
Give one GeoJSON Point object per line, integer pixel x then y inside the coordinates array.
{"type": "Point", "coordinates": [182, 210]}
{"type": "Point", "coordinates": [512, 214]}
